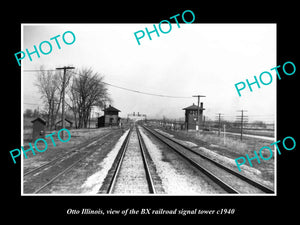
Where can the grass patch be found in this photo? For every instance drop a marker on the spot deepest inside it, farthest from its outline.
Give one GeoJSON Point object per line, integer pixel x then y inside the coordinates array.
{"type": "Point", "coordinates": [218, 141]}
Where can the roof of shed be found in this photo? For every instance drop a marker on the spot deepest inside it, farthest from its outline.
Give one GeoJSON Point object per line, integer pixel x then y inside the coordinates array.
{"type": "Point", "coordinates": [39, 119]}
{"type": "Point", "coordinates": [69, 121]}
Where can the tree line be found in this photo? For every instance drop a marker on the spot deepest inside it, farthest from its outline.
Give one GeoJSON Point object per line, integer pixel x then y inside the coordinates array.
{"type": "Point", "coordinates": [84, 89]}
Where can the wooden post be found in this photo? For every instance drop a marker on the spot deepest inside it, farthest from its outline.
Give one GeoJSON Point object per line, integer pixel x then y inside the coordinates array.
{"type": "Point", "coordinates": [224, 129]}
{"type": "Point", "coordinates": [198, 110]}
{"type": "Point", "coordinates": [63, 98]}
{"type": "Point", "coordinates": [242, 117]}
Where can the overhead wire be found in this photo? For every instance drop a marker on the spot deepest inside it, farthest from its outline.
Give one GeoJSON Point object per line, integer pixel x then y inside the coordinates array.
{"type": "Point", "coordinates": [123, 88]}
{"type": "Point", "coordinates": [137, 91]}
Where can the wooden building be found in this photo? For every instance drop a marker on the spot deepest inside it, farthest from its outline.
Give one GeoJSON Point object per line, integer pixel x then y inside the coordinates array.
{"type": "Point", "coordinates": [110, 117]}
{"type": "Point", "coordinates": [68, 124]}
{"type": "Point", "coordinates": [38, 128]}
{"type": "Point", "coordinates": [191, 116]}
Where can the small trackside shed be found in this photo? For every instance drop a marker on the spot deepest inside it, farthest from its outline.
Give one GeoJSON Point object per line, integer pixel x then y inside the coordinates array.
{"type": "Point", "coordinates": [38, 128]}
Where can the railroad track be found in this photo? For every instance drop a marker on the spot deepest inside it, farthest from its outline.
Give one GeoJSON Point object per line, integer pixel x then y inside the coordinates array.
{"type": "Point", "coordinates": [130, 173]}
{"type": "Point", "coordinates": [52, 170]}
{"type": "Point", "coordinates": [228, 179]}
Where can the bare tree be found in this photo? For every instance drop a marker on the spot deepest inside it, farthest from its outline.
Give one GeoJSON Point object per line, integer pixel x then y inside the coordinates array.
{"type": "Point", "coordinates": [49, 84]}
{"type": "Point", "coordinates": [87, 90]}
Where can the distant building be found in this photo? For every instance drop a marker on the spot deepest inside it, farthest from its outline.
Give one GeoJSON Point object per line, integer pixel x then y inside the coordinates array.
{"type": "Point", "coordinates": [136, 116]}
{"type": "Point", "coordinates": [191, 118]}
{"type": "Point", "coordinates": [110, 117]}
{"type": "Point", "coordinates": [38, 128]}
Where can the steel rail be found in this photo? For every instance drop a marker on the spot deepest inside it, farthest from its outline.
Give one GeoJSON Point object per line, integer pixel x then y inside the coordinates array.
{"type": "Point", "coordinates": [60, 174]}
{"type": "Point", "coordinates": [119, 162]}
{"type": "Point", "coordinates": [146, 166]}
{"type": "Point", "coordinates": [242, 177]}
{"type": "Point", "coordinates": [221, 183]}
{"type": "Point", "coordinates": [86, 154]}
{"type": "Point", "coordinates": [66, 154]}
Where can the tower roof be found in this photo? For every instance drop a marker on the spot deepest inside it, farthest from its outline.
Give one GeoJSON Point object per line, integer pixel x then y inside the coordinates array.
{"type": "Point", "coordinates": [111, 109]}
{"type": "Point", "coordinates": [193, 107]}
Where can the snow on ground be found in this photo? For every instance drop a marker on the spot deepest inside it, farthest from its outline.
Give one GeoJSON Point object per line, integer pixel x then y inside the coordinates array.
{"type": "Point", "coordinates": [94, 142]}
{"type": "Point", "coordinates": [187, 143]}
{"type": "Point", "coordinates": [175, 182]}
{"type": "Point", "coordinates": [164, 133]}
{"type": "Point", "coordinates": [248, 171]}
{"type": "Point", "coordinates": [227, 161]}
{"type": "Point", "coordinates": [94, 182]}
{"type": "Point", "coordinates": [253, 136]}
{"type": "Point", "coordinates": [215, 156]}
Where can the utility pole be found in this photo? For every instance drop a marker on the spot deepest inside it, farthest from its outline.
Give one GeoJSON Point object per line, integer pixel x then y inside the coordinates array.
{"type": "Point", "coordinates": [224, 130]}
{"type": "Point", "coordinates": [242, 117]}
{"type": "Point", "coordinates": [63, 96]}
{"type": "Point", "coordinates": [198, 111]}
{"type": "Point", "coordinates": [90, 113]}
{"type": "Point", "coordinates": [219, 131]}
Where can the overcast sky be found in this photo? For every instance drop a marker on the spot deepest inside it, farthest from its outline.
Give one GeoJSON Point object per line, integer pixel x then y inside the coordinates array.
{"type": "Point", "coordinates": [205, 59]}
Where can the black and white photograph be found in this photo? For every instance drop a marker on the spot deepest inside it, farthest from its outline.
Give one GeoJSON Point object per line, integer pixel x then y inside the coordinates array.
{"type": "Point", "coordinates": [106, 111]}
{"type": "Point", "coordinates": [142, 111]}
